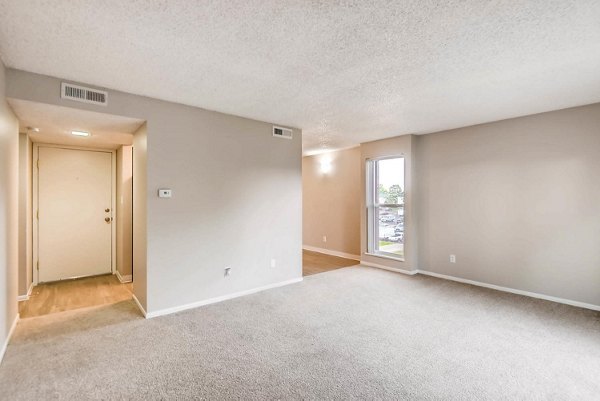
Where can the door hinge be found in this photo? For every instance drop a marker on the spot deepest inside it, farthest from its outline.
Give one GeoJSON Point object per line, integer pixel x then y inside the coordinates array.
{"type": "Point", "coordinates": [38, 164]}
{"type": "Point", "coordinates": [37, 214]}
{"type": "Point", "coordinates": [38, 265]}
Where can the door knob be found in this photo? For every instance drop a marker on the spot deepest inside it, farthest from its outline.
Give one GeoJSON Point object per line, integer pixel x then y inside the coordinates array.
{"type": "Point", "coordinates": [107, 210]}
{"type": "Point", "coordinates": [107, 219]}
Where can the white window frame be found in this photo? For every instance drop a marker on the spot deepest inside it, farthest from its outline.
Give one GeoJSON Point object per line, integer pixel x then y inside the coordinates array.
{"type": "Point", "coordinates": [372, 205]}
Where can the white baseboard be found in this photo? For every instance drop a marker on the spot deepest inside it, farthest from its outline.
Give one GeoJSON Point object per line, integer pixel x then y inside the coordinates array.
{"type": "Point", "coordinates": [486, 285]}
{"type": "Point", "coordinates": [513, 290]}
{"type": "Point", "coordinates": [139, 305]}
{"type": "Point", "coordinates": [192, 305]}
{"type": "Point", "coordinates": [332, 253]}
{"type": "Point", "coordinates": [392, 269]}
{"type": "Point", "coordinates": [10, 333]}
{"type": "Point", "coordinates": [124, 279]}
{"type": "Point", "coordinates": [26, 297]}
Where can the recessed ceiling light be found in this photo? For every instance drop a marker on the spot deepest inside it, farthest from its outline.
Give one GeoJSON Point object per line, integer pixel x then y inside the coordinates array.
{"type": "Point", "coordinates": [34, 129]}
{"type": "Point", "coordinates": [80, 133]}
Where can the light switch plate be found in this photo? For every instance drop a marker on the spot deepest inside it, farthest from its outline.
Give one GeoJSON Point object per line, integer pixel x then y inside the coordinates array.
{"type": "Point", "coordinates": [165, 193]}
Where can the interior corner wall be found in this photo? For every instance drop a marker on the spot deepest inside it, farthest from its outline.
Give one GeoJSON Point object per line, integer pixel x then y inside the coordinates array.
{"type": "Point", "coordinates": [139, 225]}
{"type": "Point", "coordinates": [124, 211]}
{"type": "Point", "coordinates": [9, 212]}
{"type": "Point", "coordinates": [331, 201]}
{"type": "Point", "coordinates": [398, 146]}
{"type": "Point", "coordinates": [517, 201]}
{"type": "Point", "coordinates": [25, 214]}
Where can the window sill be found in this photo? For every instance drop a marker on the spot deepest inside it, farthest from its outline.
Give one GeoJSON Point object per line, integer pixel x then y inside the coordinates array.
{"type": "Point", "coordinates": [384, 256]}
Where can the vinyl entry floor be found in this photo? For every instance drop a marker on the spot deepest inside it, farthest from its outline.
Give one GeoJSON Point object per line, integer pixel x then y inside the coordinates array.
{"type": "Point", "coordinates": [315, 262]}
{"type": "Point", "coordinates": [68, 295]}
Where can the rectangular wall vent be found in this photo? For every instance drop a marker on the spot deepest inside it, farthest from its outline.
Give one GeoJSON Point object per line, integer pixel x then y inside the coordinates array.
{"type": "Point", "coordinates": [281, 132]}
{"type": "Point", "coordinates": [83, 94]}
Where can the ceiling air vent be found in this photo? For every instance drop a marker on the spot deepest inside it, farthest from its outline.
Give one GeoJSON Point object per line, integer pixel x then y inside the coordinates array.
{"type": "Point", "coordinates": [280, 132]}
{"type": "Point", "coordinates": [83, 94]}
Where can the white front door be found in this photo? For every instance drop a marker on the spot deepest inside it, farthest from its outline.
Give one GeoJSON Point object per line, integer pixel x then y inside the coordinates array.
{"type": "Point", "coordinates": [75, 213]}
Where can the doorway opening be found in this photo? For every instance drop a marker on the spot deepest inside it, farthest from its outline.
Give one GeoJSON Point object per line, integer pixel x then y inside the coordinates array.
{"type": "Point", "coordinates": [331, 211]}
{"type": "Point", "coordinates": [76, 192]}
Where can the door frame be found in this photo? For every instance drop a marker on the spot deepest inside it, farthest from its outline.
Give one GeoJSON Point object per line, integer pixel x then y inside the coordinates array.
{"type": "Point", "coordinates": [35, 202]}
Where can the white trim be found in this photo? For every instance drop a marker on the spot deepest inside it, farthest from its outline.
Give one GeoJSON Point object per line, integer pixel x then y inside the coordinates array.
{"type": "Point", "coordinates": [113, 212]}
{"type": "Point", "coordinates": [10, 333]}
{"type": "Point", "coordinates": [513, 290]}
{"type": "Point", "coordinates": [35, 195]}
{"type": "Point", "coordinates": [486, 285]}
{"type": "Point", "coordinates": [34, 213]}
{"type": "Point", "coordinates": [330, 252]}
{"type": "Point", "coordinates": [192, 305]}
{"type": "Point", "coordinates": [124, 279]}
{"type": "Point", "coordinates": [392, 269]}
{"type": "Point", "coordinates": [386, 255]}
{"type": "Point", "coordinates": [26, 296]}
{"type": "Point", "coordinates": [139, 305]}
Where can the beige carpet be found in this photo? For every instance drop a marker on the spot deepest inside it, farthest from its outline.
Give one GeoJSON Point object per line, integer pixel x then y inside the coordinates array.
{"type": "Point", "coordinates": [353, 333]}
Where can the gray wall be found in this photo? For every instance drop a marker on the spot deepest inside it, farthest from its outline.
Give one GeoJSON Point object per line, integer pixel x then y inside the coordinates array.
{"type": "Point", "coordinates": [124, 211]}
{"type": "Point", "coordinates": [9, 212]}
{"type": "Point", "coordinates": [25, 207]}
{"type": "Point", "coordinates": [140, 211]}
{"type": "Point", "coordinates": [517, 202]}
{"type": "Point", "coordinates": [237, 202]}
{"type": "Point", "coordinates": [237, 197]}
{"type": "Point", "coordinates": [331, 202]}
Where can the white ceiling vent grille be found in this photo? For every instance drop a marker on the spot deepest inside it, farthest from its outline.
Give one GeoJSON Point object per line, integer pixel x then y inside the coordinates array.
{"type": "Point", "coordinates": [83, 94]}
{"type": "Point", "coordinates": [281, 132]}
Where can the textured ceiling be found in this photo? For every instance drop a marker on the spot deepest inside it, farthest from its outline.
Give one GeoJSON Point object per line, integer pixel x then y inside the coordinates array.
{"type": "Point", "coordinates": [55, 124]}
{"type": "Point", "coordinates": [343, 71]}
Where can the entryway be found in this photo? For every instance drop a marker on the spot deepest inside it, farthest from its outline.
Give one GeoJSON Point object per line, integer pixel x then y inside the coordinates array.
{"type": "Point", "coordinates": [61, 296]}
{"type": "Point", "coordinates": [76, 208]}
{"type": "Point", "coordinates": [74, 219]}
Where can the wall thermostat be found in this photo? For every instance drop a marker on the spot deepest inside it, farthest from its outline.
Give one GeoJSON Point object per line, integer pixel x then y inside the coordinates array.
{"type": "Point", "coordinates": [165, 193]}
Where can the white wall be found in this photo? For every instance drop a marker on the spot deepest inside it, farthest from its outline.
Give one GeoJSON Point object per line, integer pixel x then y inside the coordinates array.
{"type": "Point", "coordinates": [237, 197]}
{"type": "Point", "coordinates": [9, 212]}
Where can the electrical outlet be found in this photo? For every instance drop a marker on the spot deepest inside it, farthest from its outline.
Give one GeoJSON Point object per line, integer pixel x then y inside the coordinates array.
{"type": "Point", "coordinates": [324, 238]}
{"type": "Point", "coordinates": [273, 263]}
{"type": "Point", "coordinates": [227, 271]}
{"type": "Point", "coordinates": [165, 193]}
{"type": "Point", "coordinates": [452, 258]}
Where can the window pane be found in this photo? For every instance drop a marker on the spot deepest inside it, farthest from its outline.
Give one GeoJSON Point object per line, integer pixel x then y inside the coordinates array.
{"type": "Point", "coordinates": [385, 200]}
{"type": "Point", "coordinates": [390, 230]}
{"type": "Point", "coordinates": [390, 181]}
